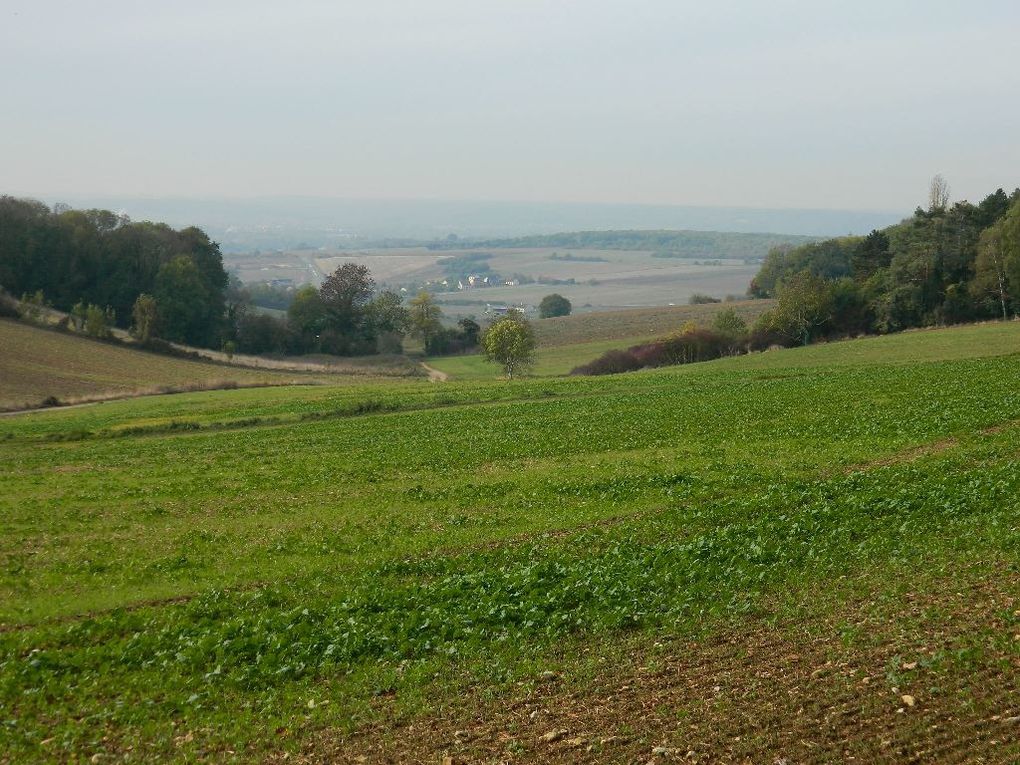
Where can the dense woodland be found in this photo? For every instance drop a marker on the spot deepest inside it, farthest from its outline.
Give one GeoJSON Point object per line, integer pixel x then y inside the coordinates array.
{"type": "Point", "coordinates": [944, 265]}
{"type": "Point", "coordinates": [165, 284]}
{"type": "Point", "coordinates": [98, 258]}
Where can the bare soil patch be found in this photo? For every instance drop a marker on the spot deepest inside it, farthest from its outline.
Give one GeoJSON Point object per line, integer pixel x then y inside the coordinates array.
{"type": "Point", "coordinates": [930, 676]}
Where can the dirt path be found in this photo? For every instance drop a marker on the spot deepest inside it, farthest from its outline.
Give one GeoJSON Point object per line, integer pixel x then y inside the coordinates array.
{"type": "Point", "coordinates": [38, 409]}
{"type": "Point", "coordinates": [435, 375]}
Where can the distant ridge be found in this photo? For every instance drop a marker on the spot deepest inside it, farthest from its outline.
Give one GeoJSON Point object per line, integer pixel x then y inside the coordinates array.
{"type": "Point", "coordinates": [665, 242]}
{"type": "Point", "coordinates": [284, 222]}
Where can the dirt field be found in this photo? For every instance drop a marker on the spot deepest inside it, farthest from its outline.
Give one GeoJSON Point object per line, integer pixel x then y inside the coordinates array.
{"type": "Point", "coordinates": [877, 680]}
{"type": "Point", "coordinates": [601, 278]}
{"type": "Point", "coordinates": [637, 322]}
{"type": "Point", "coordinates": [38, 363]}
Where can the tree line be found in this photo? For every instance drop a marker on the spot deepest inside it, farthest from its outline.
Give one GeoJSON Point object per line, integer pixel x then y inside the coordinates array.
{"type": "Point", "coordinates": [98, 259]}
{"type": "Point", "coordinates": [946, 264]}
{"type": "Point", "coordinates": [164, 284]}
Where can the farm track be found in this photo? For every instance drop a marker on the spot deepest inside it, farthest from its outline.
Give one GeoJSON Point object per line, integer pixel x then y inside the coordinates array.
{"type": "Point", "coordinates": [925, 450]}
{"type": "Point", "coordinates": [434, 374]}
{"type": "Point", "coordinates": [794, 692]}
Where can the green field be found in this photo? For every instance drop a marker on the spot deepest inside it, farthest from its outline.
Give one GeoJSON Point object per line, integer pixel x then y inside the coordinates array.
{"type": "Point", "coordinates": [405, 570]}
{"type": "Point", "coordinates": [915, 345]}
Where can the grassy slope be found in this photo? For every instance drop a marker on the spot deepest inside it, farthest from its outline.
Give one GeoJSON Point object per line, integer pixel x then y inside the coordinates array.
{"type": "Point", "coordinates": [730, 485]}
{"type": "Point", "coordinates": [569, 341]}
{"type": "Point", "coordinates": [37, 363]}
{"type": "Point", "coordinates": [637, 322]}
{"type": "Point", "coordinates": [904, 347]}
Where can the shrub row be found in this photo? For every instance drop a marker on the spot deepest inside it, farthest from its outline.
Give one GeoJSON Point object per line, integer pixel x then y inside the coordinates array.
{"type": "Point", "coordinates": [687, 347]}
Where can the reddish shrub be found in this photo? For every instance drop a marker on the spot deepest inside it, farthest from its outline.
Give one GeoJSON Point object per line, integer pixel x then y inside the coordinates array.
{"type": "Point", "coordinates": [685, 348]}
{"type": "Point", "coordinates": [763, 338]}
{"type": "Point", "coordinates": [651, 354]}
{"type": "Point", "coordinates": [609, 363]}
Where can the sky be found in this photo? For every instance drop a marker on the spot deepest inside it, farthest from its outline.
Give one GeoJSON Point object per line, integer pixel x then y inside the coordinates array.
{"type": "Point", "coordinates": [784, 104]}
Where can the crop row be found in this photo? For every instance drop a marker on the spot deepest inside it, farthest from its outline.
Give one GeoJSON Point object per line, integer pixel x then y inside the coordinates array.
{"type": "Point", "coordinates": [667, 570]}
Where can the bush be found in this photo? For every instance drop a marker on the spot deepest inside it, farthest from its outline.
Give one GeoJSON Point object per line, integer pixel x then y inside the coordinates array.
{"type": "Point", "coordinates": [609, 363]}
{"type": "Point", "coordinates": [687, 347]}
{"type": "Point", "coordinates": [729, 324]}
{"type": "Point", "coordinates": [700, 298]}
{"type": "Point", "coordinates": [695, 345]}
{"type": "Point", "coordinates": [98, 321]}
{"type": "Point", "coordinates": [651, 354]}
{"type": "Point", "coordinates": [765, 335]}
{"type": "Point", "coordinates": [260, 333]}
{"type": "Point", "coordinates": [32, 306]}
{"type": "Point", "coordinates": [447, 340]}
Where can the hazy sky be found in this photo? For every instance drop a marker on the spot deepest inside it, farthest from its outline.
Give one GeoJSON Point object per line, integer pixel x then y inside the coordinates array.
{"type": "Point", "coordinates": [851, 104]}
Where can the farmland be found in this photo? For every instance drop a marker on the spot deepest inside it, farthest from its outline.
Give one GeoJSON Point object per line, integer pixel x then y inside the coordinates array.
{"type": "Point", "coordinates": [568, 341]}
{"type": "Point", "coordinates": [401, 570]}
{"type": "Point", "coordinates": [40, 364]}
{"type": "Point", "coordinates": [625, 325]}
{"type": "Point", "coordinates": [594, 279]}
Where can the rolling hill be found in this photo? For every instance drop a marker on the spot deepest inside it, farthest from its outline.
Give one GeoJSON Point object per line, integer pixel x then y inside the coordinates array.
{"type": "Point", "coordinates": [40, 364]}
{"type": "Point", "coordinates": [809, 554]}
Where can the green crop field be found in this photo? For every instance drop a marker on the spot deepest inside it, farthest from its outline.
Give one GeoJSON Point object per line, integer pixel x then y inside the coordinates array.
{"type": "Point", "coordinates": [811, 554]}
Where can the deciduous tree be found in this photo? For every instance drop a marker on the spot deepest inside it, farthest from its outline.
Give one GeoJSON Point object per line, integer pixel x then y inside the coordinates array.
{"type": "Point", "coordinates": [144, 314]}
{"type": "Point", "coordinates": [803, 307]}
{"type": "Point", "coordinates": [554, 305]}
{"type": "Point", "coordinates": [344, 295]}
{"type": "Point", "coordinates": [510, 342]}
{"type": "Point", "coordinates": [425, 317]}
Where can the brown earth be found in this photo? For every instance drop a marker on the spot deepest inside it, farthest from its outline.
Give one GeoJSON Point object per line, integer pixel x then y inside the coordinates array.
{"type": "Point", "coordinates": [930, 675]}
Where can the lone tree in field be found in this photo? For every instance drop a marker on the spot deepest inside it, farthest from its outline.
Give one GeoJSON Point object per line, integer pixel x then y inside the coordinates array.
{"type": "Point", "coordinates": [510, 342]}
{"type": "Point", "coordinates": [554, 305]}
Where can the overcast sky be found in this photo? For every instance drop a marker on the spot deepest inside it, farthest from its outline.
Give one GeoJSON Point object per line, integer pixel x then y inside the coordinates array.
{"type": "Point", "coordinates": [765, 104]}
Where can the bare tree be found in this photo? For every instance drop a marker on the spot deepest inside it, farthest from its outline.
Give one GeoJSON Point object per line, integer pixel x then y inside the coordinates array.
{"type": "Point", "coordinates": [938, 194]}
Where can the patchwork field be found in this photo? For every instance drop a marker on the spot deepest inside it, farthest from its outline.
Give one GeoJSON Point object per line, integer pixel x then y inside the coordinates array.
{"type": "Point", "coordinates": [601, 278]}
{"type": "Point", "coordinates": [810, 555]}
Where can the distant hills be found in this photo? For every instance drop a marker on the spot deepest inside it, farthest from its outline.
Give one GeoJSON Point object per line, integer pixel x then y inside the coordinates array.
{"type": "Point", "coordinates": [242, 225]}
{"type": "Point", "coordinates": [665, 244]}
